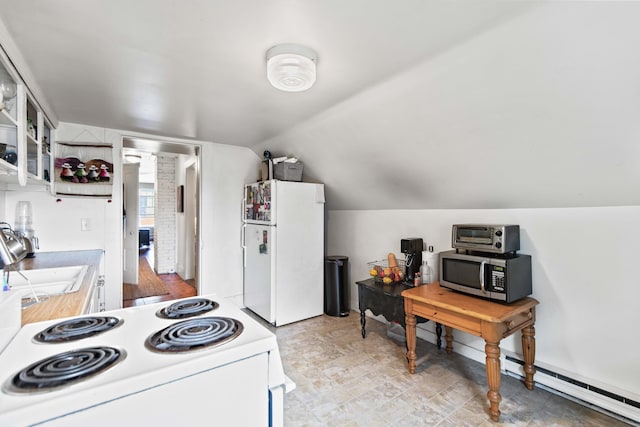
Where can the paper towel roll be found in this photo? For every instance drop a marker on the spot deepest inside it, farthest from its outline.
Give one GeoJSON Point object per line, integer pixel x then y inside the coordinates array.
{"type": "Point", "coordinates": [433, 259]}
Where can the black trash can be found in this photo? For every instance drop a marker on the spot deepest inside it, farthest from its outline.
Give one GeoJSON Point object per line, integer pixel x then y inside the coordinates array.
{"type": "Point", "coordinates": [336, 286]}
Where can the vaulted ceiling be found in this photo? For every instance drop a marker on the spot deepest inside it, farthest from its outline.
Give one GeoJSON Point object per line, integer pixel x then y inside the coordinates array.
{"type": "Point", "coordinates": [418, 104]}
{"type": "Point", "coordinates": [197, 69]}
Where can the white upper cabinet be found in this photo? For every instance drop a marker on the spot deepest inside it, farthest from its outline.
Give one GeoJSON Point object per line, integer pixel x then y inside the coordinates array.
{"type": "Point", "coordinates": [25, 132]}
{"type": "Point", "coordinates": [8, 121]}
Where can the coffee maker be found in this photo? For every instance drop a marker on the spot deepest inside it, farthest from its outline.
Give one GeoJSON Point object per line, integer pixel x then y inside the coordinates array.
{"type": "Point", "coordinates": [412, 250]}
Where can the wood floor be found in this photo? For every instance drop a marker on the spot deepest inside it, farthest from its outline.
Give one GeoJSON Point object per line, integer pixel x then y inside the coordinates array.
{"type": "Point", "coordinates": [177, 287]}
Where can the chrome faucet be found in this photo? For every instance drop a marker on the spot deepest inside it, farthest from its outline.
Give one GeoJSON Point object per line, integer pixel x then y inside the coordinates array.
{"type": "Point", "coordinates": [12, 251]}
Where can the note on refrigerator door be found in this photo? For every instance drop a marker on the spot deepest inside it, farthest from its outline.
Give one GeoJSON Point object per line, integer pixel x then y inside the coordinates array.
{"type": "Point", "coordinates": [265, 242]}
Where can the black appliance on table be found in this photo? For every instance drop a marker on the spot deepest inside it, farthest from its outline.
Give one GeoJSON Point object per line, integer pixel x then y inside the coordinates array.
{"type": "Point", "coordinates": [412, 250]}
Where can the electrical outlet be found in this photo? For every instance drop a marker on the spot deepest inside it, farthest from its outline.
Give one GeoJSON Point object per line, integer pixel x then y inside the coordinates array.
{"type": "Point", "coordinates": [85, 224]}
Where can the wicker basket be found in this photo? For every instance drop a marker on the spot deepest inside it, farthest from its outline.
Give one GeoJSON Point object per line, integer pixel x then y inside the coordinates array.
{"type": "Point", "coordinates": [382, 270]}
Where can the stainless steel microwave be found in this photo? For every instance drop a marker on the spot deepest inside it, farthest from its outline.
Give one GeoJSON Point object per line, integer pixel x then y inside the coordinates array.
{"type": "Point", "coordinates": [497, 278]}
{"type": "Point", "coordinates": [493, 238]}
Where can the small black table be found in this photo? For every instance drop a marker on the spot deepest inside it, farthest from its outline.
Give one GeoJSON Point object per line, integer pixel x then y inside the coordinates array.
{"type": "Point", "coordinates": [386, 300]}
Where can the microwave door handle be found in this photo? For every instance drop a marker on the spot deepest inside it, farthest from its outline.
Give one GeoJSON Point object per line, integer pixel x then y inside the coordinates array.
{"type": "Point", "coordinates": [482, 264]}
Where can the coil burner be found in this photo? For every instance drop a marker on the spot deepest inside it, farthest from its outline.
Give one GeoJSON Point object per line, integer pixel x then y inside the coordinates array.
{"type": "Point", "coordinates": [77, 329]}
{"type": "Point", "coordinates": [188, 308]}
{"type": "Point", "coordinates": [194, 334]}
{"type": "Point", "coordinates": [64, 369]}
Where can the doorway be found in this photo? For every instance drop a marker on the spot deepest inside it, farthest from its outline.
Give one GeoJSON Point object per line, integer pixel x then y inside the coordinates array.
{"type": "Point", "coordinates": [163, 242]}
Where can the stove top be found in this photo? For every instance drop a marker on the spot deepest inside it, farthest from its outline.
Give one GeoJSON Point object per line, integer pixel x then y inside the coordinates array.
{"type": "Point", "coordinates": [130, 366]}
{"type": "Point", "coordinates": [195, 334]}
{"type": "Point", "coordinates": [187, 308]}
{"type": "Point", "coordinates": [77, 329]}
{"type": "Point", "coordinates": [63, 369]}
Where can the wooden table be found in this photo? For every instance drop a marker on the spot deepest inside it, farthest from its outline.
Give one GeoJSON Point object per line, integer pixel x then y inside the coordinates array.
{"type": "Point", "coordinates": [489, 320]}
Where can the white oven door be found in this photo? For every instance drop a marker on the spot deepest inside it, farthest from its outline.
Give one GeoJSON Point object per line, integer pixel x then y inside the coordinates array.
{"type": "Point", "coordinates": [234, 395]}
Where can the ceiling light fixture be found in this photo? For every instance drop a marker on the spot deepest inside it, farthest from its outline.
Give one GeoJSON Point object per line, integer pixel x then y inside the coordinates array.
{"type": "Point", "coordinates": [291, 67]}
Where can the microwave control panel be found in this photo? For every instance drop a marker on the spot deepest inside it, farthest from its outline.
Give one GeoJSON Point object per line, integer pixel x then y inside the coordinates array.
{"type": "Point", "coordinates": [497, 278]}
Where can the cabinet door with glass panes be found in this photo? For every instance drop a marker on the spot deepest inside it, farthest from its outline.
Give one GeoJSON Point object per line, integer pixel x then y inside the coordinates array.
{"type": "Point", "coordinates": [25, 132]}
{"type": "Point", "coordinates": [38, 137]}
{"type": "Point", "coordinates": [9, 107]}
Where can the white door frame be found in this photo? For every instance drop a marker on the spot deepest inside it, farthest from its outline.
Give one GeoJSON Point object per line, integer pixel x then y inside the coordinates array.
{"type": "Point", "coordinates": [157, 146]}
{"type": "Point", "coordinates": [191, 219]}
{"type": "Point", "coordinates": [131, 248]}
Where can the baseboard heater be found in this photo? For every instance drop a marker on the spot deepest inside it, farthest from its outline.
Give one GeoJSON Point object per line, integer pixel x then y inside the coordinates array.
{"type": "Point", "coordinates": [626, 416]}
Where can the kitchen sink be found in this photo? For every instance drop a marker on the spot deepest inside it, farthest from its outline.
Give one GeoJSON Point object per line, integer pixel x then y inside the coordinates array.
{"type": "Point", "coordinates": [51, 281]}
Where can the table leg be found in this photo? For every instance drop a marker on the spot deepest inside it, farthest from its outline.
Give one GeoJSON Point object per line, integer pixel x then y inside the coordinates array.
{"type": "Point", "coordinates": [410, 331]}
{"type": "Point", "coordinates": [529, 350]}
{"type": "Point", "coordinates": [492, 351]}
{"type": "Point", "coordinates": [363, 322]}
{"type": "Point", "coordinates": [448, 336]}
{"type": "Point", "coordinates": [439, 335]}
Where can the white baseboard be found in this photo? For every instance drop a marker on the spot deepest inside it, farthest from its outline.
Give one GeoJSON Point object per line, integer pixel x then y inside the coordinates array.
{"type": "Point", "coordinates": [548, 382]}
{"type": "Point", "coordinates": [577, 393]}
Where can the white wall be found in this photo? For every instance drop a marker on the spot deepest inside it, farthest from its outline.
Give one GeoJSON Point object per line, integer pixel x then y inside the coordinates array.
{"type": "Point", "coordinates": [539, 111]}
{"type": "Point", "coordinates": [57, 223]}
{"type": "Point", "coordinates": [225, 170]}
{"type": "Point", "coordinates": [166, 218]}
{"type": "Point", "coordinates": [584, 275]}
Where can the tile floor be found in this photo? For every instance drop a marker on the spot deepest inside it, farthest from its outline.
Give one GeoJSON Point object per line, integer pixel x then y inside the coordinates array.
{"type": "Point", "coordinates": [344, 380]}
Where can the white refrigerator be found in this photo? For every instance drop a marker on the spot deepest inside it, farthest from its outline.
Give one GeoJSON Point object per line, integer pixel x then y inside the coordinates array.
{"type": "Point", "coordinates": [283, 247]}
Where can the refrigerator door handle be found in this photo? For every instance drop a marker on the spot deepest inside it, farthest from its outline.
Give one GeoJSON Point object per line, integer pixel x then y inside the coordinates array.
{"type": "Point", "coordinates": [244, 208]}
{"type": "Point", "coordinates": [242, 230]}
{"type": "Point", "coordinates": [243, 243]}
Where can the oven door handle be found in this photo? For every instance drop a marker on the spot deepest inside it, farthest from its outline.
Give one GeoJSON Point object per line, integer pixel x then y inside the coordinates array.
{"type": "Point", "coordinates": [482, 264]}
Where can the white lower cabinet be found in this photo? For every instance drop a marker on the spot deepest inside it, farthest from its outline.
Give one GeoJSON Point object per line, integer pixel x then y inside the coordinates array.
{"type": "Point", "coordinates": [96, 296]}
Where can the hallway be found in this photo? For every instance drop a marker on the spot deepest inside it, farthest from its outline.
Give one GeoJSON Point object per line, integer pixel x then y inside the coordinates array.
{"type": "Point", "coordinates": [177, 287]}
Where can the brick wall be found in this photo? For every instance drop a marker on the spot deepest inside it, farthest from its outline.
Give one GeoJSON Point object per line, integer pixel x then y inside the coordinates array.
{"type": "Point", "coordinates": [165, 215]}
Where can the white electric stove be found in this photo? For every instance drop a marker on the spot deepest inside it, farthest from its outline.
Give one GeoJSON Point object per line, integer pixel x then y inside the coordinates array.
{"type": "Point", "coordinates": [163, 363]}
